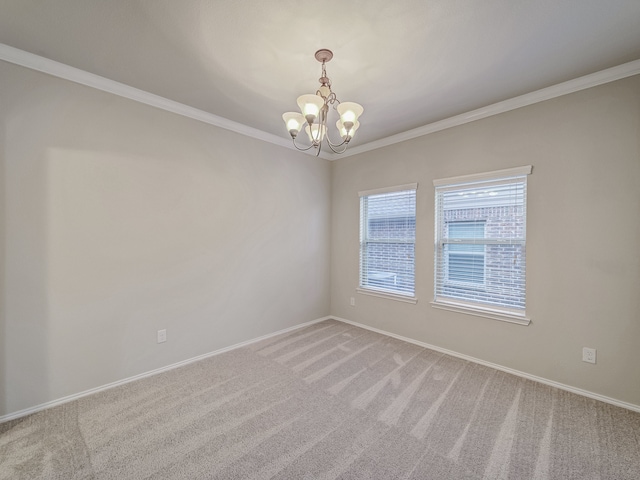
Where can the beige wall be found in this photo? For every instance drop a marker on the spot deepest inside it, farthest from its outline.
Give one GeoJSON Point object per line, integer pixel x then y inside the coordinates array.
{"type": "Point", "coordinates": [583, 265]}
{"type": "Point", "coordinates": [118, 219]}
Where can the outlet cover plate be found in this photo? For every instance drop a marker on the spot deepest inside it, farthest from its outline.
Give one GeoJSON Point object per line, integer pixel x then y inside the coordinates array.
{"type": "Point", "coordinates": [589, 355]}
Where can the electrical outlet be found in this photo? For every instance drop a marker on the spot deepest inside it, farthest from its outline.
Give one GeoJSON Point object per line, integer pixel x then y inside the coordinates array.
{"type": "Point", "coordinates": [353, 302]}
{"type": "Point", "coordinates": [162, 336]}
{"type": "Point", "coordinates": [589, 355]}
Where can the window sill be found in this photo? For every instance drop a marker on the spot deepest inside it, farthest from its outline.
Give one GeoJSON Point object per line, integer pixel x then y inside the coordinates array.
{"type": "Point", "coordinates": [383, 294]}
{"type": "Point", "coordinates": [480, 312]}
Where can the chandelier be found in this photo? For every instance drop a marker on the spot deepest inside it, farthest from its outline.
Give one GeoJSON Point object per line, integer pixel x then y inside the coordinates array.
{"type": "Point", "coordinates": [315, 111]}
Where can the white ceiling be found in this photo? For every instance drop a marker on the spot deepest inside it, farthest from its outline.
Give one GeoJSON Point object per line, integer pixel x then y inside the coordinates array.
{"type": "Point", "coordinates": [408, 62]}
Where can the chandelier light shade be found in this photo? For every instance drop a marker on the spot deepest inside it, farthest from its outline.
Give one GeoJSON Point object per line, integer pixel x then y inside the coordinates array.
{"type": "Point", "coordinates": [310, 106]}
{"type": "Point", "coordinates": [343, 130]}
{"type": "Point", "coordinates": [314, 113]}
{"type": "Point", "coordinates": [349, 112]}
{"type": "Point", "coordinates": [294, 121]}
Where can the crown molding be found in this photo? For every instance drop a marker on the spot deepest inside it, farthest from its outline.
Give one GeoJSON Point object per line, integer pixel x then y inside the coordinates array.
{"type": "Point", "coordinates": [66, 72]}
{"type": "Point", "coordinates": [61, 70]}
{"type": "Point", "coordinates": [581, 83]}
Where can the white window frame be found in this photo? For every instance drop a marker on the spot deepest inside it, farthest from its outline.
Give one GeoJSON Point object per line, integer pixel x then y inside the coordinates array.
{"type": "Point", "coordinates": [465, 305]}
{"type": "Point", "coordinates": [383, 292]}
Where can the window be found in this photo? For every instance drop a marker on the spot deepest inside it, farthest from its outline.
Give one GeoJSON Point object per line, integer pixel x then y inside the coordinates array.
{"type": "Point", "coordinates": [480, 244]}
{"type": "Point", "coordinates": [387, 242]}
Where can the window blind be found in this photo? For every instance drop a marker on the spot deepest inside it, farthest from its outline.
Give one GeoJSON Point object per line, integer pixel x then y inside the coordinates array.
{"type": "Point", "coordinates": [480, 244]}
{"type": "Point", "coordinates": [387, 240]}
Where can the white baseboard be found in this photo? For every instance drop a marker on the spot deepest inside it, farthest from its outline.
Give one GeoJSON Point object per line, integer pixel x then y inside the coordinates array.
{"type": "Point", "coordinates": [75, 396]}
{"type": "Point", "coordinates": [568, 388]}
{"type": "Point", "coordinates": [561, 386]}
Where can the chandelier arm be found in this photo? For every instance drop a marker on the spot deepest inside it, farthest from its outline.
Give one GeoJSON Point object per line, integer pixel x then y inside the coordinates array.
{"type": "Point", "coordinates": [331, 144]}
{"type": "Point", "coordinates": [301, 149]}
{"type": "Point", "coordinates": [334, 144]}
{"type": "Point", "coordinates": [319, 139]}
{"type": "Point", "coordinates": [339, 151]}
{"type": "Point", "coordinates": [322, 124]}
{"type": "Point", "coordinates": [333, 99]}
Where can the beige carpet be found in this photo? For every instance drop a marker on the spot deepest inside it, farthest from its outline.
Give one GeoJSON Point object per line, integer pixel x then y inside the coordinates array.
{"type": "Point", "coordinates": [327, 401]}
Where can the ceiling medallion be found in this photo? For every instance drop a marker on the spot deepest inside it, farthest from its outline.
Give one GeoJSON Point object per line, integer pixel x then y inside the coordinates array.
{"type": "Point", "coordinates": [314, 110]}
